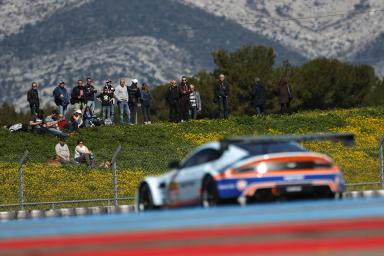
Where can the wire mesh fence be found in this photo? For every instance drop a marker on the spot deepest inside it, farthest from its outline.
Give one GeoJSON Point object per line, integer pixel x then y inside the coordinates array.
{"type": "Point", "coordinates": [37, 183]}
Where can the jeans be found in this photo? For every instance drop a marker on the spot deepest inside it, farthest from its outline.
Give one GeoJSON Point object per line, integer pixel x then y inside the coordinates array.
{"type": "Point", "coordinates": [57, 133]}
{"type": "Point", "coordinates": [112, 113]}
{"type": "Point", "coordinates": [146, 113]}
{"type": "Point", "coordinates": [79, 106]}
{"type": "Point", "coordinates": [284, 108]}
{"type": "Point", "coordinates": [259, 109]}
{"type": "Point", "coordinates": [92, 105]}
{"type": "Point", "coordinates": [223, 107]}
{"type": "Point", "coordinates": [34, 109]}
{"type": "Point", "coordinates": [106, 112]}
{"type": "Point", "coordinates": [193, 112]}
{"type": "Point", "coordinates": [184, 109]}
{"type": "Point", "coordinates": [124, 111]}
{"type": "Point", "coordinates": [62, 109]}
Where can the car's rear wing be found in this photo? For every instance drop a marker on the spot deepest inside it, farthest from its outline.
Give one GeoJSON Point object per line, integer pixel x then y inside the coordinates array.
{"type": "Point", "coordinates": [346, 138]}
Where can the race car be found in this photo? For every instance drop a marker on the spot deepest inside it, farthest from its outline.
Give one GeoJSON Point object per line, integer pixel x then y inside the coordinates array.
{"type": "Point", "coordinates": [243, 170]}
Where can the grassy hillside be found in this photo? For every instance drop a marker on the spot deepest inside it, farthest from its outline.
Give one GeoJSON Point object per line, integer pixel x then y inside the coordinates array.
{"type": "Point", "coordinates": [148, 149]}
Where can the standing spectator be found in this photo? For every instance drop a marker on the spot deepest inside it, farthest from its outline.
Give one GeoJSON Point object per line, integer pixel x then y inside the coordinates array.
{"type": "Point", "coordinates": [106, 103]}
{"type": "Point", "coordinates": [184, 91]}
{"type": "Point", "coordinates": [146, 103]}
{"type": "Point", "coordinates": [284, 92]}
{"type": "Point", "coordinates": [111, 91]}
{"type": "Point", "coordinates": [134, 95]}
{"type": "Point", "coordinates": [77, 96]}
{"type": "Point", "coordinates": [121, 96]}
{"type": "Point", "coordinates": [61, 98]}
{"type": "Point", "coordinates": [51, 123]}
{"type": "Point", "coordinates": [89, 94]}
{"type": "Point", "coordinates": [221, 94]}
{"type": "Point", "coordinates": [33, 99]}
{"type": "Point", "coordinates": [62, 152]}
{"type": "Point", "coordinates": [172, 98]}
{"type": "Point", "coordinates": [195, 100]}
{"type": "Point", "coordinates": [83, 154]}
{"type": "Point", "coordinates": [37, 122]}
{"type": "Point", "coordinates": [258, 96]}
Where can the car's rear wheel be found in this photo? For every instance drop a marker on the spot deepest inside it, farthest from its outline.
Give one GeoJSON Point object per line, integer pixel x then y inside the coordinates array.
{"type": "Point", "coordinates": [145, 201]}
{"type": "Point", "coordinates": [209, 195]}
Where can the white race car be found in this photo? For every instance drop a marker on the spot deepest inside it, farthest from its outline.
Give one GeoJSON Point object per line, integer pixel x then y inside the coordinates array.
{"type": "Point", "coordinates": [245, 169]}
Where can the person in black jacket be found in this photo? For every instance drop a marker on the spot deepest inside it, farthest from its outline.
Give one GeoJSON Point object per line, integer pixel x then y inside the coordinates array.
{"type": "Point", "coordinates": [184, 91]}
{"type": "Point", "coordinates": [258, 96]}
{"type": "Point", "coordinates": [33, 99]}
{"type": "Point", "coordinates": [221, 93]}
{"type": "Point", "coordinates": [133, 102]}
{"type": "Point", "coordinates": [77, 96]}
{"type": "Point", "coordinates": [89, 94]}
{"type": "Point", "coordinates": [172, 98]}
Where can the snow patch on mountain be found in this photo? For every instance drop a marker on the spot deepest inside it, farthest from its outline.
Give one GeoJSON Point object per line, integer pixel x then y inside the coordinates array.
{"type": "Point", "coordinates": [15, 14]}
{"type": "Point", "coordinates": [342, 27]}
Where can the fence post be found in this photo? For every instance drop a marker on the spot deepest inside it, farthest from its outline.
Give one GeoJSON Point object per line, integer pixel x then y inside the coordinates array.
{"type": "Point", "coordinates": [381, 161]}
{"type": "Point", "coordinates": [114, 176]}
{"type": "Point", "coordinates": [21, 185]}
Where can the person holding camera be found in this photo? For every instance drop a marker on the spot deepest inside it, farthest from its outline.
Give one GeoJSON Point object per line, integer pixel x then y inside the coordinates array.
{"type": "Point", "coordinates": [221, 93]}
{"type": "Point", "coordinates": [77, 96]}
{"type": "Point", "coordinates": [89, 94]}
{"type": "Point", "coordinates": [51, 123]}
{"type": "Point", "coordinates": [61, 98]}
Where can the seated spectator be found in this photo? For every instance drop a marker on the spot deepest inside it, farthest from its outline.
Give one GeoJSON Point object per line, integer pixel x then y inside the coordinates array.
{"type": "Point", "coordinates": [37, 123]}
{"type": "Point", "coordinates": [83, 154]}
{"type": "Point", "coordinates": [62, 122]}
{"type": "Point", "coordinates": [62, 152]}
{"type": "Point", "coordinates": [89, 118]}
{"type": "Point", "coordinates": [75, 122]}
{"type": "Point", "coordinates": [51, 123]}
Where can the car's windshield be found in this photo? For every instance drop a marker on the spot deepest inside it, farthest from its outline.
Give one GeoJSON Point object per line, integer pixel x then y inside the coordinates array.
{"type": "Point", "coordinates": [270, 148]}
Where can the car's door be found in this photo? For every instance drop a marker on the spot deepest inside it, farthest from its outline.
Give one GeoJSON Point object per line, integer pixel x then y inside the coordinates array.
{"type": "Point", "coordinates": [185, 185]}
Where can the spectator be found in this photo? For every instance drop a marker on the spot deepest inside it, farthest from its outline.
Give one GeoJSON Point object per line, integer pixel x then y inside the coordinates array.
{"type": "Point", "coordinates": [195, 100]}
{"type": "Point", "coordinates": [184, 91]}
{"type": "Point", "coordinates": [172, 98]}
{"type": "Point", "coordinates": [111, 91]}
{"type": "Point", "coordinates": [37, 122]}
{"type": "Point", "coordinates": [51, 123]}
{"type": "Point", "coordinates": [89, 119]}
{"type": "Point", "coordinates": [121, 96]}
{"type": "Point", "coordinates": [284, 93]}
{"type": "Point", "coordinates": [75, 122]}
{"type": "Point", "coordinates": [77, 96]}
{"type": "Point", "coordinates": [89, 94]}
{"type": "Point", "coordinates": [62, 122]}
{"type": "Point", "coordinates": [221, 94]}
{"type": "Point", "coordinates": [146, 103]}
{"type": "Point", "coordinates": [83, 154]}
{"type": "Point", "coordinates": [134, 95]}
{"type": "Point", "coordinates": [258, 96]}
{"type": "Point", "coordinates": [62, 152]}
{"type": "Point", "coordinates": [106, 103]}
{"type": "Point", "coordinates": [33, 99]}
{"type": "Point", "coordinates": [61, 98]}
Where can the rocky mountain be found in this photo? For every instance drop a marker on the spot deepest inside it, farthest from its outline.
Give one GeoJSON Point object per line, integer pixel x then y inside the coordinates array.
{"type": "Point", "coordinates": [157, 40]}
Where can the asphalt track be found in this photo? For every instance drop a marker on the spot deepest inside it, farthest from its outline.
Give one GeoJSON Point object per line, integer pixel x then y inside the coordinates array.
{"type": "Point", "coordinates": [353, 226]}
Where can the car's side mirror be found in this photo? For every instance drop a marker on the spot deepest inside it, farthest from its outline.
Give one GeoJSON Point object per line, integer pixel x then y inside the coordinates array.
{"type": "Point", "coordinates": [174, 165]}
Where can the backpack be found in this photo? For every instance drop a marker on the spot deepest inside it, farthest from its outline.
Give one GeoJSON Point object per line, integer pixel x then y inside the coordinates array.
{"type": "Point", "coordinates": [108, 121]}
{"type": "Point", "coordinates": [18, 127]}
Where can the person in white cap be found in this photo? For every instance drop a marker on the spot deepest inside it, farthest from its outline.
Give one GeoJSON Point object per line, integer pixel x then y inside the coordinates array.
{"type": "Point", "coordinates": [133, 102]}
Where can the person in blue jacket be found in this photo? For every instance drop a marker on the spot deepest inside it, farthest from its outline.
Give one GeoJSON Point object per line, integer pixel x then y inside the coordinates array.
{"type": "Point", "coordinates": [61, 97]}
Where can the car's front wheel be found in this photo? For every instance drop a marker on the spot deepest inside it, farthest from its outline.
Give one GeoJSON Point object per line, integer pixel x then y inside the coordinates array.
{"type": "Point", "coordinates": [145, 201]}
{"type": "Point", "coordinates": [209, 195]}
